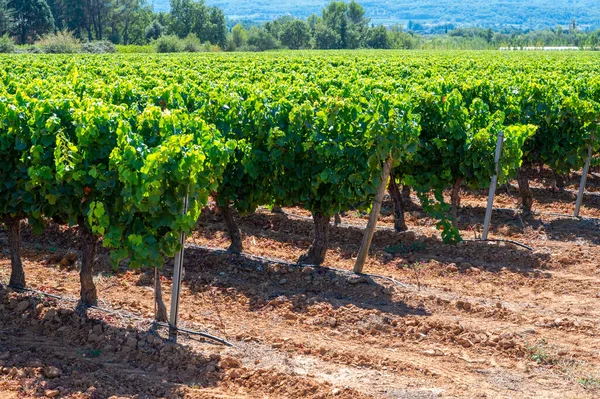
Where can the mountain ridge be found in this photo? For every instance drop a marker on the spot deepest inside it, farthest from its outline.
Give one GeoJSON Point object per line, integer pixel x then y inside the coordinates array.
{"type": "Point", "coordinates": [525, 14]}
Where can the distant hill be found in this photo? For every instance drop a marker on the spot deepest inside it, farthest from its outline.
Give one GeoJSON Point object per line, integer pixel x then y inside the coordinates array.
{"type": "Point", "coordinates": [527, 14]}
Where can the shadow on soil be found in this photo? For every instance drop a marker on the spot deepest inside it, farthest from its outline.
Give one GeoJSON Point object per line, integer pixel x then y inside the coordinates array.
{"type": "Point", "coordinates": [53, 349]}
{"type": "Point", "coordinates": [393, 249]}
{"type": "Point", "coordinates": [262, 282]}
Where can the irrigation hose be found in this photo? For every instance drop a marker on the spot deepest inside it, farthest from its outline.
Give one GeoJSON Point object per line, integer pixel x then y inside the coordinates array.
{"type": "Point", "coordinates": [129, 316]}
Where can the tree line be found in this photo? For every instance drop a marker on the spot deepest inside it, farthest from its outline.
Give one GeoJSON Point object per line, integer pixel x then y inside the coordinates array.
{"type": "Point", "coordinates": [341, 25]}
{"type": "Point", "coordinates": [119, 21]}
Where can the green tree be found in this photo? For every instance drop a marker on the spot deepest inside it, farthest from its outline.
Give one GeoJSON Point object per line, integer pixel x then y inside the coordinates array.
{"type": "Point", "coordinates": [326, 38]}
{"type": "Point", "coordinates": [154, 30]}
{"type": "Point", "coordinates": [296, 35]}
{"type": "Point", "coordinates": [129, 20]}
{"type": "Point", "coordinates": [6, 17]}
{"type": "Point", "coordinates": [185, 16]}
{"type": "Point", "coordinates": [239, 36]}
{"type": "Point", "coordinates": [32, 18]}
{"type": "Point", "coordinates": [217, 28]}
{"type": "Point", "coordinates": [74, 16]}
{"type": "Point", "coordinates": [347, 21]}
{"type": "Point", "coordinates": [261, 40]}
{"type": "Point", "coordinates": [207, 23]}
{"type": "Point", "coordinates": [377, 37]}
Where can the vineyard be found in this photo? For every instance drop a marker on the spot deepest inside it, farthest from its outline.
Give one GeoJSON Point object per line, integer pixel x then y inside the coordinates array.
{"type": "Point", "coordinates": [268, 167]}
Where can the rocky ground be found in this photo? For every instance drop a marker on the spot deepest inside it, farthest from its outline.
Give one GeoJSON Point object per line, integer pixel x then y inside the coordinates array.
{"type": "Point", "coordinates": [476, 320]}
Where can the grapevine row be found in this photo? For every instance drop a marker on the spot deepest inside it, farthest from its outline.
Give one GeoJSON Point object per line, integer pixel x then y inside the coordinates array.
{"type": "Point", "coordinates": [113, 144]}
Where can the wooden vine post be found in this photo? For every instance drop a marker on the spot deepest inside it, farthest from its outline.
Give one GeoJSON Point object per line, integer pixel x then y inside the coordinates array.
{"type": "Point", "coordinates": [583, 182]}
{"type": "Point", "coordinates": [177, 277]}
{"type": "Point", "coordinates": [493, 184]}
{"type": "Point", "coordinates": [370, 230]}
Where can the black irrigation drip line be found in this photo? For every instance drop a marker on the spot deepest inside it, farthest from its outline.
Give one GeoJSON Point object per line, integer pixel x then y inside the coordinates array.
{"type": "Point", "coordinates": [506, 241]}
{"type": "Point", "coordinates": [297, 265]}
{"type": "Point", "coordinates": [129, 316]}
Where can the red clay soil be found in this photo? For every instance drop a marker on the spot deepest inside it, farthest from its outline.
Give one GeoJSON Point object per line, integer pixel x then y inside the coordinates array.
{"type": "Point", "coordinates": [476, 320]}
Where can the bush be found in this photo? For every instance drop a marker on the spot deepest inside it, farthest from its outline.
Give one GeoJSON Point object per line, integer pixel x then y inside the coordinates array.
{"type": "Point", "coordinates": [28, 49]}
{"type": "Point", "coordinates": [99, 47]}
{"type": "Point", "coordinates": [135, 49]}
{"type": "Point", "coordinates": [191, 44]}
{"type": "Point", "coordinates": [7, 45]}
{"type": "Point", "coordinates": [169, 44]}
{"type": "Point", "coordinates": [60, 43]}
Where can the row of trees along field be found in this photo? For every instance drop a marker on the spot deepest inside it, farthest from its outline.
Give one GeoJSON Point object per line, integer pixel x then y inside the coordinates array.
{"type": "Point", "coordinates": [341, 25]}
{"type": "Point", "coordinates": [113, 144]}
{"type": "Point", "coordinates": [120, 21]}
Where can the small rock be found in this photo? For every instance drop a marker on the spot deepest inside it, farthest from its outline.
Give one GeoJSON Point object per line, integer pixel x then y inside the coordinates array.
{"type": "Point", "coordinates": [283, 281]}
{"type": "Point", "coordinates": [474, 270]}
{"type": "Point", "coordinates": [22, 306]}
{"type": "Point", "coordinates": [52, 372]}
{"type": "Point", "coordinates": [336, 391]}
{"type": "Point", "coordinates": [131, 342]}
{"type": "Point", "coordinates": [97, 329]}
{"type": "Point", "coordinates": [452, 268]}
{"type": "Point", "coordinates": [229, 363]}
{"type": "Point", "coordinates": [332, 322]}
{"type": "Point", "coordinates": [465, 343]}
{"type": "Point", "coordinates": [356, 279]}
{"type": "Point", "coordinates": [210, 368]}
{"type": "Point", "coordinates": [529, 331]}
{"type": "Point", "coordinates": [50, 315]}
{"type": "Point", "coordinates": [51, 393]}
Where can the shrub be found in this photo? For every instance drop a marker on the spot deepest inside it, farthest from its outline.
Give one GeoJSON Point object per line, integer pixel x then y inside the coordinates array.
{"type": "Point", "coordinates": [7, 45]}
{"type": "Point", "coordinates": [28, 49]}
{"type": "Point", "coordinates": [135, 49]}
{"type": "Point", "coordinates": [99, 47]}
{"type": "Point", "coordinates": [60, 43]}
{"type": "Point", "coordinates": [191, 44]}
{"type": "Point", "coordinates": [169, 44]}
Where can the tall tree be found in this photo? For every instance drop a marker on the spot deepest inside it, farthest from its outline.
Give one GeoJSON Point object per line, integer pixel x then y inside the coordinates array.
{"type": "Point", "coordinates": [295, 35]}
{"type": "Point", "coordinates": [217, 33]}
{"type": "Point", "coordinates": [239, 36]}
{"type": "Point", "coordinates": [6, 17]}
{"type": "Point", "coordinates": [32, 18]}
{"type": "Point", "coordinates": [184, 16]}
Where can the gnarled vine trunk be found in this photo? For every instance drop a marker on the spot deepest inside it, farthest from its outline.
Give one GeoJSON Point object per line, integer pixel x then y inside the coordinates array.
{"type": "Point", "coordinates": [233, 230]}
{"type": "Point", "coordinates": [337, 219]}
{"type": "Point", "coordinates": [318, 249]}
{"type": "Point", "coordinates": [524, 190]}
{"type": "Point", "coordinates": [399, 209]}
{"type": "Point", "coordinates": [406, 193]}
{"type": "Point", "coordinates": [88, 294]}
{"type": "Point", "coordinates": [13, 229]}
{"type": "Point", "coordinates": [455, 201]}
{"type": "Point", "coordinates": [161, 310]}
{"type": "Point", "coordinates": [561, 180]}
